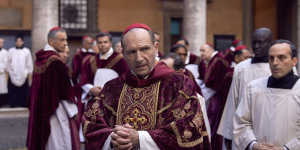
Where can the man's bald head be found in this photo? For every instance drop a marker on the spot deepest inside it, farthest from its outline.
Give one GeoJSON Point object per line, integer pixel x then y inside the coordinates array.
{"type": "Point", "coordinates": [87, 42]}
{"type": "Point", "coordinates": [206, 52]}
{"type": "Point", "coordinates": [261, 42]}
{"type": "Point", "coordinates": [151, 34]}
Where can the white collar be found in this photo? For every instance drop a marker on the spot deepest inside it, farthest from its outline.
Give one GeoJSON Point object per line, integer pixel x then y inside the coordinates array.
{"type": "Point", "coordinates": [89, 50]}
{"type": "Point", "coordinates": [214, 54]}
{"type": "Point", "coordinates": [49, 48]}
{"type": "Point", "coordinates": [232, 48]}
{"type": "Point", "coordinates": [187, 60]}
{"type": "Point", "coordinates": [107, 54]}
{"type": "Point", "coordinates": [233, 64]}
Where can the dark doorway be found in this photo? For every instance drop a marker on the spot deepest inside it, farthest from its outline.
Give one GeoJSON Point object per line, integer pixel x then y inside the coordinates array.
{"type": "Point", "coordinates": [287, 20]}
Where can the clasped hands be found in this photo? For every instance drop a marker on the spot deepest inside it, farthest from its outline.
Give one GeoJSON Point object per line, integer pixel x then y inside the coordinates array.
{"type": "Point", "coordinates": [124, 137]}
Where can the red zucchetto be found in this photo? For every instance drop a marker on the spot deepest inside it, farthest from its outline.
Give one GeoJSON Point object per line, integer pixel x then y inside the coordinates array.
{"type": "Point", "coordinates": [235, 42]}
{"type": "Point", "coordinates": [55, 28]}
{"type": "Point", "coordinates": [137, 25]}
{"type": "Point", "coordinates": [241, 47]}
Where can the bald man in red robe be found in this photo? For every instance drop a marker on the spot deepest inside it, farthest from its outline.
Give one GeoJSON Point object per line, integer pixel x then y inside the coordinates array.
{"type": "Point", "coordinates": [150, 107]}
{"type": "Point", "coordinates": [81, 53]}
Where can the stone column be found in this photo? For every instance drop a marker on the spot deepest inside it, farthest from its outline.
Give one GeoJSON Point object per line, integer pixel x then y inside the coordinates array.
{"type": "Point", "coordinates": [194, 23]}
{"type": "Point", "coordinates": [247, 21]}
{"type": "Point", "coordinates": [45, 16]}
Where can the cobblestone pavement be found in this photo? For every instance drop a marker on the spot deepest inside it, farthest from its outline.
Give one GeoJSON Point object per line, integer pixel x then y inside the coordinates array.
{"type": "Point", "coordinates": [13, 128]}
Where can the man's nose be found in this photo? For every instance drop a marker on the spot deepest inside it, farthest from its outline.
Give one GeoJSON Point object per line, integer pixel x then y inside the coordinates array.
{"type": "Point", "coordinates": [139, 56]}
{"type": "Point", "coordinates": [275, 61]}
{"type": "Point", "coordinates": [256, 45]}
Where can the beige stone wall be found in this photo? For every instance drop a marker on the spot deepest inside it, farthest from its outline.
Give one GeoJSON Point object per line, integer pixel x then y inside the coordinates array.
{"type": "Point", "coordinates": [266, 15]}
{"type": "Point", "coordinates": [23, 8]}
{"type": "Point", "coordinates": [224, 17]}
{"type": "Point", "coordinates": [116, 15]}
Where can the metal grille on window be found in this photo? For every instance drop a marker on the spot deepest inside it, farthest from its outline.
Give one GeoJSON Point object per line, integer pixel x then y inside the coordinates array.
{"type": "Point", "coordinates": [73, 14]}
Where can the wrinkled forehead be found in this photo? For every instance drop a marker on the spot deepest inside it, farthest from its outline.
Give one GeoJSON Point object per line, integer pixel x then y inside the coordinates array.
{"type": "Point", "coordinates": [205, 47]}
{"type": "Point", "coordinates": [136, 36]}
{"type": "Point", "coordinates": [281, 48]}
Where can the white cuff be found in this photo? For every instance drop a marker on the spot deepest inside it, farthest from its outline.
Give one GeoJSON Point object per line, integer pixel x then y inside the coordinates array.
{"type": "Point", "coordinates": [86, 89]}
{"type": "Point", "coordinates": [207, 92]}
{"type": "Point", "coordinates": [146, 141]}
{"type": "Point", "coordinates": [205, 117]}
{"type": "Point", "coordinates": [106, 145]}
{"type": "Point", "coordinates": [70, 108]}
{"type": "Point", "coordinates": [251, 145]}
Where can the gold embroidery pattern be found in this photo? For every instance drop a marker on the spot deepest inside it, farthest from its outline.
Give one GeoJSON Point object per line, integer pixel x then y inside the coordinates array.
{"type": "Point", "coordinates": [180, 113]}
{"type": "Point", "coordinates": [197, 122]}
{"type": "Point", "coordinates": [85, 126]}
{"type": "Point", "coordinates": [94, 112]}
{"type": "Point", "coordinates": [184, 143]}
{"type": "Point", "coordinates": [136, 118]}
{"type": "Point", "coordinates": [110, 109]}
{"type": "Point", "coordinates": [42, 68]}
{"type": "Point", "coordinates": [138, 106]}
{"type": "Point", "coordinates": [164, 108]}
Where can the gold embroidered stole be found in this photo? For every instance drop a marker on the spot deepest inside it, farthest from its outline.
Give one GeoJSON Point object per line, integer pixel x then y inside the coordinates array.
{"type": "Point", "coordinates": [113, 62]}
{"type": "Point", "coordinates": [138, 106]}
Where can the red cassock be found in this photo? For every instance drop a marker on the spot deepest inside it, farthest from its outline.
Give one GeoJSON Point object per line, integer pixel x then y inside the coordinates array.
{"type": "Point", "coordinates": [217, 78]}
{"type": "Point", "coordinates": [229, 56]}
{"type": "Point", "coordinates": [77, 62]}
{"type": "Point", "coordinates": [92, 63]}
{"type": "Point", "coordinates": [165, 105]}
{"type": "Point", "coordinates": [201, 69]}
{"type": "Point", "coordinates": [50, 85]}
{"type": "Point", "coordinates": [76, 71]}
{"type": "Point", "coordinates": [191, 76]}
{"type": "Point", "coordinates": [89, 68]}
{"type": "Point", "coordinates": [194, 59]}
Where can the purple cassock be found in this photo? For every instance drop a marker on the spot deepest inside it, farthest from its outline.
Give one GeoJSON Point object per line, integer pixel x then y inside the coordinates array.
{"type": "Point", "coordinates": [201, 69]}
{"type": "Point", "coordinates": [77, 62]}
{"type": "Point", "coordinates": [218, 76]}
{"type": "Point", "coordinates": [50, 84]}
{"type": "Point", "coordinates": [89, 68]}
{"type": "Point", "coordinates": [165, 105]}
{"type": "Point", "coordinates": [194, 59]}
{"type": "Point", "coordinates": [92, 63]}
{"type": "Point", "coordinates": [229, 56]}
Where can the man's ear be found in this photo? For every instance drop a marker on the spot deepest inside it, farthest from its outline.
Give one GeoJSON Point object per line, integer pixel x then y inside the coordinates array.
{"type": "Point", "coordinates": [295, 60]}
{"type": "Point", "coordinates": [156, 45]}
{"type": "Point", "coordinates": [50, 41]}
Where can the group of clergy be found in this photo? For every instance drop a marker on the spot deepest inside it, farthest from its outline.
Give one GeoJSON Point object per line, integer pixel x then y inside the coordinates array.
{"type": "Point", "coordinates": [132, 97]}
{"type": "Point", "coordinates": [16, 67]}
